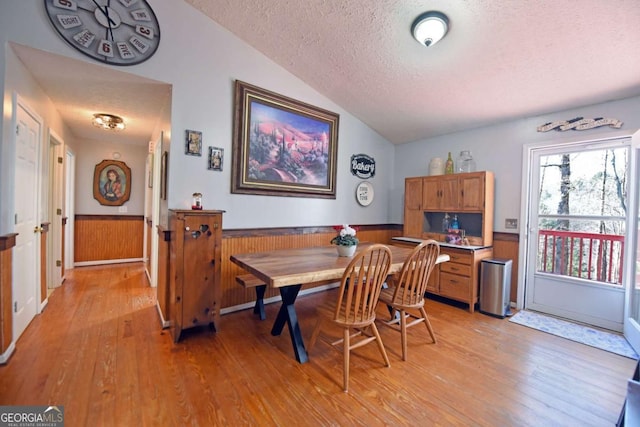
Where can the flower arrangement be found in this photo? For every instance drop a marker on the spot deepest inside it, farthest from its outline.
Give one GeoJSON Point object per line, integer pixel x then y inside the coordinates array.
{"type": "Point", "coordinates": [346, 236]}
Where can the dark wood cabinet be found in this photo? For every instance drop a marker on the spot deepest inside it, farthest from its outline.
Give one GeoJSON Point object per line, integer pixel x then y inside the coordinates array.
{"type": "Point", "coordinates": [195, 291]}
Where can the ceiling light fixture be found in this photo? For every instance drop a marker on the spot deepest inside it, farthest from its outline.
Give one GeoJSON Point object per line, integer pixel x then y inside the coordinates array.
{"type": "Point", "coordinates": [430, 27]}
{"type": "Point", "coordinates": [108, 121]}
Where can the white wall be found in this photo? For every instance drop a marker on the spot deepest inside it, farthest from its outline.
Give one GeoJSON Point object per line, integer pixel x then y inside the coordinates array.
{"type": "Point", "coordinates": [18, 81]}
{"type": "Point", "coordinates": [88, 155]}
{"type": "Point", "coordinates": [202, 60]}
{"type": "Point", "coordinates": [499, 149]}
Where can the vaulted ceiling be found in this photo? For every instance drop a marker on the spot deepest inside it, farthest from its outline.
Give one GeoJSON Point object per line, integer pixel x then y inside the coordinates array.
{"type": "Point", "coordinates": [501, 59]}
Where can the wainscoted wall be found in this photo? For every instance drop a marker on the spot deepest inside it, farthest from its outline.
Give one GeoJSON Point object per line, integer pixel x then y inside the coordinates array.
{"type": "Point", "coordinates": [108, 238]}
{"type": "Point", "coordinates": [506, 246]}
{"type": "Point", "coordinates": [7, 242]}
{"type": "Point", "coordinates": [100, 238]}
{"type": "Point", "coordinates": [259, 240]}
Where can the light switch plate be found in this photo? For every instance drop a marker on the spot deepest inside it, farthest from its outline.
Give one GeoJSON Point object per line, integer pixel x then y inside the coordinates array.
{"type": "Point", "coordinates": [511, 223]}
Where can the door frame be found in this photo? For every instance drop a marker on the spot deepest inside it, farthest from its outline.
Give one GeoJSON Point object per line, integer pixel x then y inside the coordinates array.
{"type": "Point", "coordinates": [55, 202]}
{"type": "Point", "coordinates": [69, 209]}
{"type": "Point", "coordinates": [528, 151]}
{"type": "Point", "coordinates": [20, 103]}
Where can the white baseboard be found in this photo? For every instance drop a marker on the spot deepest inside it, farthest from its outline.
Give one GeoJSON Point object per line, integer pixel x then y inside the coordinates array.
{"type": "Point", "coordinates": [4, 357]}
{"type": "Point", "coordinates": [277, 298]}
{"type": "Point", "coordinates": [164, 323]}
{"type": "Point", "coordinates": [107, 261]}
{"type": "Point", "coordinates": [43, 304]}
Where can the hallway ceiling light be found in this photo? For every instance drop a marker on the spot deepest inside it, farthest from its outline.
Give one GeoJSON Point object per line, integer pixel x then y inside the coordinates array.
{"type": "Point", "coordinates": [108, 121]}
{"type": "Point", "coordinates": [430, 27]}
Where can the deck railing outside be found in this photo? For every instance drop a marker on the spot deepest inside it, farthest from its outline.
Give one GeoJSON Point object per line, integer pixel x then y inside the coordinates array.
{"type": "Point", "coordinates": [589, 256]}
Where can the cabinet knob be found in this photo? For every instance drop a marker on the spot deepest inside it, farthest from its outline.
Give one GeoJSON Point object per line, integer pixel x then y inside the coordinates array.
{"type": "Point", "coordinates": [187, 228]}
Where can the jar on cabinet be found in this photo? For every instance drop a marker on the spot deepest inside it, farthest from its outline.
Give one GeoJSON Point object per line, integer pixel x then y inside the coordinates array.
{"type": "Point", "coordinates": [465, 162]}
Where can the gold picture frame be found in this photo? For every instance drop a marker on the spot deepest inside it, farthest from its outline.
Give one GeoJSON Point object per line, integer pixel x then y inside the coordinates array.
{"type": "Point", "coordinates": [112, 183]}
{"type": "Point", "coordinates": [282, 147]}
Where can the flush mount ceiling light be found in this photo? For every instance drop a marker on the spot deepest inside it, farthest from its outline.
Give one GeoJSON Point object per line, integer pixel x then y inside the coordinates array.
{"type": "Point", "coordinates": [430, 27]}
{"type": "Point", "coordinates": [108, 121]}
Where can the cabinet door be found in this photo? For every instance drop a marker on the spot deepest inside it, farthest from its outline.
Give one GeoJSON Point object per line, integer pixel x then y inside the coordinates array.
{"type": "Point", "coordinates": [413, 213]}
{"type": "Point", "coordinates": [431, 193]}
{"type": "Point", "coordinates": [472, 191]}
{"type": "Point", "coordinates": [449, 191]}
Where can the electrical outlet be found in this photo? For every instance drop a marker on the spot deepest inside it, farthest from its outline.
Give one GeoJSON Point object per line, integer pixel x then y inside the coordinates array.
{"type": "Point", "coordinates": [511, 223]}
{"type": "Point", "coordinates": [122, 209]}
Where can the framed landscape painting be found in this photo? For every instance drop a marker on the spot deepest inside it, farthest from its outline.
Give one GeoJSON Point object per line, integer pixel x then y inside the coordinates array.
{"type": "Point", "coordinates": [282, 147]}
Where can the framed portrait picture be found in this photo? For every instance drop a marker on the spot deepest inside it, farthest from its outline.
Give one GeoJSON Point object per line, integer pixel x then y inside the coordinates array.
{"type": "Point", "coordinates": [216, 156]}
{"type": "Point", "coordinates": [282, 147]}
{"type": "Point", "coordinates": [111, 183]}
{"type": "Point", "coordinates": [193, 143]}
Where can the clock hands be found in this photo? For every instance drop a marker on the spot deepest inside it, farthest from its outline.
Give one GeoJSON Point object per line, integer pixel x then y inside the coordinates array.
{"type": "Point", "coordinates": [111, 23]}
{"type": "Point", "coordinates": [105, 12]}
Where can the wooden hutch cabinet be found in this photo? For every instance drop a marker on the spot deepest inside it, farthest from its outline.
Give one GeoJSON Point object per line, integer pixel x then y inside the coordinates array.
{"type": "Point", "coordinates": [469, 196]}
{"type": "Point", "coordinates": [195, 291]}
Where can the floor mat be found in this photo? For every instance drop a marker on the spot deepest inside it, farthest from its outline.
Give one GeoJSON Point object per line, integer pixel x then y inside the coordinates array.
{"type": "Point", "coordinates": [608, 341]}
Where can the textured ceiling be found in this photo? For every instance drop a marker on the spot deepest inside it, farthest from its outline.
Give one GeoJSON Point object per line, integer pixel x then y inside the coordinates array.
{"type": "Point", "coordinates": [501, 60]}
{"type": "Point", "coordinates": [78, 89]}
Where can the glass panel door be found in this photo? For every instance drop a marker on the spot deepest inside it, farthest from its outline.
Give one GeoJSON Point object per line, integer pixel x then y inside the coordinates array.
{"type": "Point", "coordinates": [632, 258]}
{"type": "Point", "coordinates": [577, 242]}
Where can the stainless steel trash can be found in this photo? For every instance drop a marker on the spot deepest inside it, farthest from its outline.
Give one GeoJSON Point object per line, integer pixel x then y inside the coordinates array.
{"type": "Point", "coordinates": [495, 287]}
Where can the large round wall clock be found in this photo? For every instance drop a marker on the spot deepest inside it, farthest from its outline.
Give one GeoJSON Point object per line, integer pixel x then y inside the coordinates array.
{"type": "Point", "coordinates": [117, 32]}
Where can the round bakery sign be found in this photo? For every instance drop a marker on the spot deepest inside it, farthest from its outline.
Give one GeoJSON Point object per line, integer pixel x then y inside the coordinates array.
{"type": "Point", "coordinates": [363, 166]}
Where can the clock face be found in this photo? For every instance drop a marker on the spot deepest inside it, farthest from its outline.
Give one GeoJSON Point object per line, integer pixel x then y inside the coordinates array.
{"type": "Point", "coordinates": [117, 32]}
{"type": "Point", "coordinates": [364, 193]}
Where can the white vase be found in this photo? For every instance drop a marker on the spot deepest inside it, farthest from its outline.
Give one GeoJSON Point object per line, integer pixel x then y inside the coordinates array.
{"type": "Point", "coordinates": [346, 250]}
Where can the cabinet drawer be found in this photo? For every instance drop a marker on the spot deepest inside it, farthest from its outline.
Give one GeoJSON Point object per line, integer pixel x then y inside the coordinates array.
{"type": "Point", "coordinates": [458, 257]}
{"type": "Point", "coordinates": [454, 286]}
{"type": "Point", "coordinates": [455, 268]}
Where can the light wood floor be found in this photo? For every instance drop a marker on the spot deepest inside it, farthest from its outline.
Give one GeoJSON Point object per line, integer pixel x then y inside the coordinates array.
{"type": "Point", "coordinates": [98, 350]}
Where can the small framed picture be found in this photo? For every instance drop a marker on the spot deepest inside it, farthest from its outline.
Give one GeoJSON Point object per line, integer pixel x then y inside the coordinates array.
{"type": "Point", "coordinates": [216, 156]}
{"type": "Point", "coordinates": [193, 143]}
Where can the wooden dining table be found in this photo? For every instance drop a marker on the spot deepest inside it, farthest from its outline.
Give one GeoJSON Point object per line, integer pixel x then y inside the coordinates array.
{"type": "Point", "coordinates": [290, 269]}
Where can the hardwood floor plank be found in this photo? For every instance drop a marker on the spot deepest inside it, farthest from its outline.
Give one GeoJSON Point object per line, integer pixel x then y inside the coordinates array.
{"type": "Point", "coordinates": [98, 349]}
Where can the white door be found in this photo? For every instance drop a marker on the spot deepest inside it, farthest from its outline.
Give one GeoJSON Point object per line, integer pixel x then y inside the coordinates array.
{"type": "Point", "coordinates": [26, 259]}
{"type": "Point", "coordinates": [577, 232]}
{"type": "Point", "coordinates": [632, 256]}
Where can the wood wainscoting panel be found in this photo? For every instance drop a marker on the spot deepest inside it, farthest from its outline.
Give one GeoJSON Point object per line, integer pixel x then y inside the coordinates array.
{"type": "Point", "coordinates": [260, 240]}
{"type": "Point", "coordinates": [147, 258]}
{"type": "Point", "coordinates": [7, 242]}
{"type": "Point", "coordinates": [108, 237]}
{"type": "Point", "coordinates": [506, 246]}
{"type": "Point", "coordinates": [162, 284]}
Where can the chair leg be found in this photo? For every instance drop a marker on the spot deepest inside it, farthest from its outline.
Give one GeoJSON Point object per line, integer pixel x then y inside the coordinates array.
{"type": "Point", "coordinates": [426, 321]}
{"type": "Point", "coordinates": [346, 351]}
{"type": "Point", "coordinates": [403, 333]}
{"type": "Point", "coordinates": [314, 335]}
{"type": "Point", "coordinates": [374, 328]}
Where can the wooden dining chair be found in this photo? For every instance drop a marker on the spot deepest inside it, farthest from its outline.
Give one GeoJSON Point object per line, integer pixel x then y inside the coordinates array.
{"type": "Point", "coordinates": [407, 289]}
{"type": "Point", "coordinates": [355, 308]}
